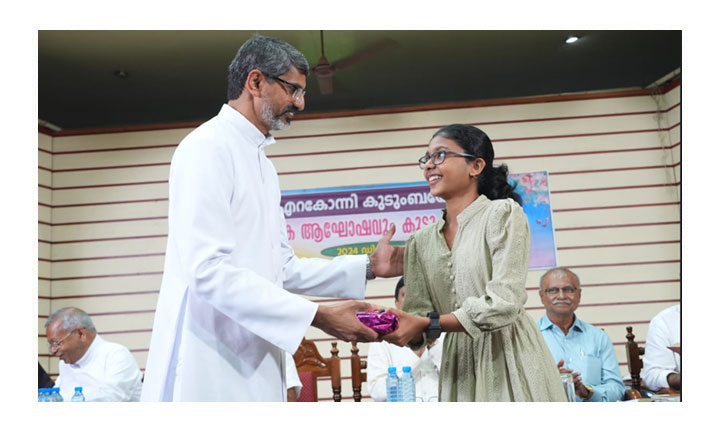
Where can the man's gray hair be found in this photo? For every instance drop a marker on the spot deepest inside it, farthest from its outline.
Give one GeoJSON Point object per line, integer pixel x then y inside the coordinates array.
{"type": "Point", "coordinates": [562, 271]}
{"type": "Point", "coordinates": [269, 55]}
{"type": "Point", "coordinates": [71, 318]}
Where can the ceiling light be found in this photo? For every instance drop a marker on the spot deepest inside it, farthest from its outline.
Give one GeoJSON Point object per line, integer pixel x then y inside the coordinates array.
{"type": "Point", "coordinates": [571, 39]}
{"type": "Point", "coordinates": [121, 74]}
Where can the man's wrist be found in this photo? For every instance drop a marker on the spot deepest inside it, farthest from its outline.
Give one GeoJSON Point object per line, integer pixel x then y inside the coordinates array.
{"type": "Point", "coordinates": [319, 316]}
{"type": "Point", "coordinates": [673, 380]}
{"type": "Point", "coordinates": [590, 392]}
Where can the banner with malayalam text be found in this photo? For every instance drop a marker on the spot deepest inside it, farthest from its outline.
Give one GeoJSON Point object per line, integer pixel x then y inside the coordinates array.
{"type": "Point", "coordinates": [350, 220]}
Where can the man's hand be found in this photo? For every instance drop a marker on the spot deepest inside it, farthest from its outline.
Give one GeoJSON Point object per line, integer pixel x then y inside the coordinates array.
{"type": "Point", "coordinates": [410, 328]}
{"type": "Point", "coordinates": [339, 320]}
{"type": "Point", "coordinates": [387, 260]}
{"type": "Point", "coordinates": [580, 389]}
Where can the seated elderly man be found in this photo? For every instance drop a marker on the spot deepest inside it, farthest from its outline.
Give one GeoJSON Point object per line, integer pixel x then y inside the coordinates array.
{"type": "Point", "coordinates": [105, 370]}
{"type": "Point", "coordinates": [578, 347]}
{"type": "Point", "coordinates": [661, 366]}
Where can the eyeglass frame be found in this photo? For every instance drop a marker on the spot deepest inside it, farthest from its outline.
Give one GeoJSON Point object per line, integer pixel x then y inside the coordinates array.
{"type": "Point", "coordinates": [427, 158]}
{"type": "Point", "coordinates": [57, 344]}
{"type": "Point", "coordinates": [566, 290]}
{"type": "Point", "coordinates": [297, 91]}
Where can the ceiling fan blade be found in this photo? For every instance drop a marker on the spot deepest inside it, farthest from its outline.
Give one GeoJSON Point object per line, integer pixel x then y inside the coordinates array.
{"type": "Point", "coordinates": [325, 83]}
{"type": "Point", "coordinates": [366, 53]}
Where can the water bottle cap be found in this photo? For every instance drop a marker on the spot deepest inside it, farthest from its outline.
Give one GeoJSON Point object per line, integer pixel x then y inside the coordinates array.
{"type": "Point", "coordinates": [407, 368]}
{"type": "Point", "coordinates": [392, 369]}
{"type": "Point", "coordinates": [78, 389]}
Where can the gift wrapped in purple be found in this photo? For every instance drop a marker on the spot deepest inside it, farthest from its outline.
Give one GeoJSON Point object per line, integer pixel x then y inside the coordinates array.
{"type": "Point", "coordinates": [381, 322]}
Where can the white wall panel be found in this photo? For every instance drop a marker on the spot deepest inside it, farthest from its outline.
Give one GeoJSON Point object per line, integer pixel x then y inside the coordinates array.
{"type": "Point", "coordinates": [612, 188]}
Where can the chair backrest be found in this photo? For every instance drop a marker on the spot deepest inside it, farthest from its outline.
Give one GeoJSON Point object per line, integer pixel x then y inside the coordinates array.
{"type": "Point", "coordinates": [635, 363]}
{"type": "Point", "coordinates": [359, 374]}
{"type": "Point", "coordinates": [311, 365]}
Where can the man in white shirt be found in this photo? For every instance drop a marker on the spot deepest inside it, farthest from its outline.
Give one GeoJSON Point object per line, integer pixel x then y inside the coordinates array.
{"type": "Point", "coordinates": [661, 366]}
{"type": "Point", "coordinates": [425, 362]}
{"type": "Point", "coordinates": [106, 371]}
{"type": "Point", "coordinates": [228, 307]}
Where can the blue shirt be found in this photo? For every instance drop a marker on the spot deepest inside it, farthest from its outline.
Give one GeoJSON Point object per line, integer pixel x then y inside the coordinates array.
{"type": "Point", "coordinates": [588, 350]}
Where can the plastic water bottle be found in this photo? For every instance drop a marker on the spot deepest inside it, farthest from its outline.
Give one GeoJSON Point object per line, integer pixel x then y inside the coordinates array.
{"type": "Point", "coordinates": [78, 396]}
{"type": "Point", "coordinates": [56, 396]}
{"type": "Point", "coordinates": [407, 385]}
{"type": "Point", "coordinates": [42, 395]}
{"type": "Point", "coordinates": [392, 385]}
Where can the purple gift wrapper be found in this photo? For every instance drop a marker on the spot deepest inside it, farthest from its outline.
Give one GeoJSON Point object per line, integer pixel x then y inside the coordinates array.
{"type": "Point", "coordinates": [381, 323]}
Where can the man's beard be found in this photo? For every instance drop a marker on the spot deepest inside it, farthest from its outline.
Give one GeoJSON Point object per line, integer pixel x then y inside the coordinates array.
{"type": "Point", "coordinates": [276, 122]}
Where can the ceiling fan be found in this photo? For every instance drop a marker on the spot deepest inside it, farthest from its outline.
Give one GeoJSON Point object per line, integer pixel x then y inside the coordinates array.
{"type": "Point", "coordinates": [325, 71]}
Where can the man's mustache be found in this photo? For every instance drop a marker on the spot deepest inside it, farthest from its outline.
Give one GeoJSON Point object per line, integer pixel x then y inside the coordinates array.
{"type": "Point", "coordinates": [557, 301]}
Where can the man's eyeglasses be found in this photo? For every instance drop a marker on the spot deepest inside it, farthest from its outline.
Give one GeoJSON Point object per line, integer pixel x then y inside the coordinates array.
{"type": "Point", "coordinates": [297, 91]}
{"type": "Point", "coordinates": [57, 344]}
{"type": "Point", "coordinates": [439, 157]}
{"type": "Point", "coordinates": [565, 290]}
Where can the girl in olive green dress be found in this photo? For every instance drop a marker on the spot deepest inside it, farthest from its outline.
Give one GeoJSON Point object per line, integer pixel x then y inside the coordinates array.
{"type": "Point", "coordinates": [470, 267]}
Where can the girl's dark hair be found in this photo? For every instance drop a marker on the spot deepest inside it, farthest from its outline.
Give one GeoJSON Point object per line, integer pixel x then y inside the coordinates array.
{"type": "Point", "coordinates": [492, 181]}
{"type": "Point", "coordinates": [398, 287]}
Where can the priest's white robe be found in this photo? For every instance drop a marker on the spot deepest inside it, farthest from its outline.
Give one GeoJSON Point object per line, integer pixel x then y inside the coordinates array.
{"type": "Point", "coordinates": [226, 311]}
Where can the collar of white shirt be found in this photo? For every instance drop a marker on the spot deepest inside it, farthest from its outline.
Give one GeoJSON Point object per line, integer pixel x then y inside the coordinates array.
{"type": "Point", "coordinates": [243, 127]}
{"type": "Point", "coordinates": [86, 359]}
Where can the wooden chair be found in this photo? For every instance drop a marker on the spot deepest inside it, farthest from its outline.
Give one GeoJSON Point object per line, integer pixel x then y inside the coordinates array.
{"type": "Point", "coordinates": [311, 365]}
{"type": "Point", "coordinates": [634, 353]}
{"type": "Point", "coordinates": [359, 374]}
{"type": "Point", "coordinates": [635, 364]}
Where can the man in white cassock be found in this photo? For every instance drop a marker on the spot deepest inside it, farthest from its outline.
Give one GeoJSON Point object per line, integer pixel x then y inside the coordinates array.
{"type": "Point", "coordinates": [228, 307]}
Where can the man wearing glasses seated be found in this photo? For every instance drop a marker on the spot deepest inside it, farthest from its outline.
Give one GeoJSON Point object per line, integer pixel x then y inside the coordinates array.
{"type": "Point", "coordinates": [106, 371]}
{"type": "Point", "coordinates": [579, 348]}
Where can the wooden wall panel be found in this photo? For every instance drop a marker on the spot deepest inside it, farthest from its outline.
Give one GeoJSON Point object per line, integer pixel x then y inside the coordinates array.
{"type": "Point", "coordinates": [614, 166]}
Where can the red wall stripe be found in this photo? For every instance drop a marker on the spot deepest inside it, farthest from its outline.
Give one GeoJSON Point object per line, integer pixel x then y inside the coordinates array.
{"type": "Point", "coordinates": [165, 181]}
{"type": "Point", "coordinates": [165, 235]}
{"type": "Point", "coordinates": [108, 203]}
{"type": "Point", "coordinates": [614, 188]}
{"type": "Point", "coordinates": [166, 199]}
{"type": "Point", "coordinates": [165, 217]}
{"type": "Point", "coordinates": [432, 127]}
{"type": "Point", "coordinates": [615, 169]}
{"type": "Point", "coordinates": [108, 257]}
{"type": "Point", "coordinates": [102, 257]}
{"type": "Point", "coordinates": [382, 297]}
{"type": "Point", "coordinates": [58, 242]}
{"type": "Point", "coordinates": [623, 264]}
{"type": "Point", "coordinates": [101, 276]}
{"type": "Point", "coordinates": [616, 226]}
{"type": "Point", "coordinates": [626, 264]}
{"type": "Point", "coordinates": [110, 167]}
{"type": "Point", "coordinates": [582, 305]}
{"type": "Point", "coordinates": [108, 185]}
{"type": "Point", "coordinates": [618, 245]}
{"type": "Point", "coordinates": [150, 147]}
{"type": "Point", "coordinates": [615, 207]}
{"type": "Point", "coordinates": [419, 145]}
